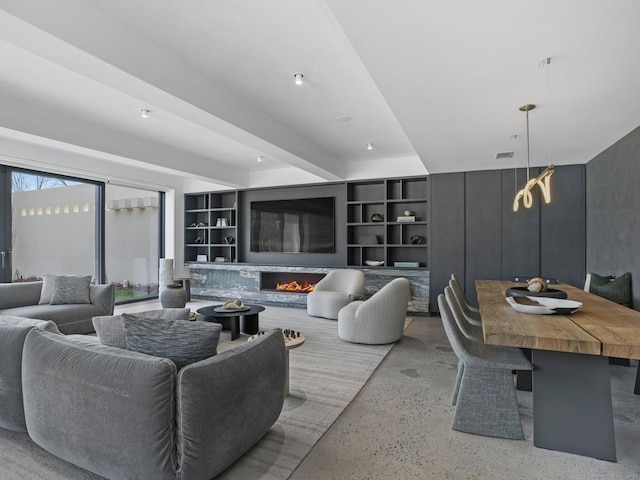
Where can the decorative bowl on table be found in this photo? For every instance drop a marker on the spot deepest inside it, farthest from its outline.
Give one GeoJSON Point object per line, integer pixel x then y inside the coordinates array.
{"type": "Point", "coordinates": [543, 305]}
{"type": "Point", "coordinates": [524, 292]}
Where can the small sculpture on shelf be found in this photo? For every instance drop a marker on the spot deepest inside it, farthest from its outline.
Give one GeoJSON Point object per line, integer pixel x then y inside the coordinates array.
{"type": "Point", "coordinates": [415, 239]}
{"type": "Point", "coordinates": [376, 217]}
{"type": "Point", "coordinates": [228, 239]}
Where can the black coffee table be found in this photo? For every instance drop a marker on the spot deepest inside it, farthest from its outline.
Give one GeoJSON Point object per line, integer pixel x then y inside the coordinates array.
{"type": "Point", "coordinates": [234, 320]}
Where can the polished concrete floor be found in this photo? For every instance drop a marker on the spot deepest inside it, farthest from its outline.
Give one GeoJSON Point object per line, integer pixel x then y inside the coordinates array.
{"type": "Point", "coordinates": [399, 426]}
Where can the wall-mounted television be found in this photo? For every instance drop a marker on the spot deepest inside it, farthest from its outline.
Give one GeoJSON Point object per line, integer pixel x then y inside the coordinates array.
{"type": "Point", "coordinates": [298, 225]}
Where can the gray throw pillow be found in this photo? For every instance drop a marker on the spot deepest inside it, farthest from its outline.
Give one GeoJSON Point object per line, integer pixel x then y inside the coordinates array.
{"type": "Point", "coordinates": [70, 289]}
{"type": "Point", "coordinates": [182, 342]}
{"type": "Point", "coordinates": [47, 289]}
{"type": "Point", "coordinates": [110, 328]}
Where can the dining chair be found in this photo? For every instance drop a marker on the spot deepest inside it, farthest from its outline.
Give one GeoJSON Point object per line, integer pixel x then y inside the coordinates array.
{"type": "Point", "coordinates": [469, 330]}
{"type": "Point", "coordinates": [473, 306]}
{"type": "Point", "coordinates": [484, 394]}
{"type": "Point", "coordinates": [471, 314]}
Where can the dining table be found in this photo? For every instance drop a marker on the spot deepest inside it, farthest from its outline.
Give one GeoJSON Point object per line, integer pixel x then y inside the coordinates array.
{"type": "Point", "coordinates": [572, 406]}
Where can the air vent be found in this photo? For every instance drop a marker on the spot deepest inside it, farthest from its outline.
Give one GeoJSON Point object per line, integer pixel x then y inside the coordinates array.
{"type": "Point", "coordinates": [500, 155]}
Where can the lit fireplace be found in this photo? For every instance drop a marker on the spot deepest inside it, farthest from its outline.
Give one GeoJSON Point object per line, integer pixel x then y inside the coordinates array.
{"type": "Point", "coordinates": [289, 282]}
{"type": "Point", "coordinates": [294, 286]}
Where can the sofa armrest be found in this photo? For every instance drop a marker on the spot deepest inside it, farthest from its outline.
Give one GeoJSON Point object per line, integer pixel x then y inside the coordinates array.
{"type": "Point", "coordinates": [103, 296]}
{"type": "Point", "coordinates": [226, 403]}
{"type": "Point", "coordinates": [19, 294]}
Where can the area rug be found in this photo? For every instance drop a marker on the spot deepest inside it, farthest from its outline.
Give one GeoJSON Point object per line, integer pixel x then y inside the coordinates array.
{"type": "Point", "coordinates": [326, 374]}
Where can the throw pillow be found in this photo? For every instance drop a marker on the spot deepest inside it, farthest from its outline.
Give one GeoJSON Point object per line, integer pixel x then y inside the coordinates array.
{"type": "Point", "coordinates": [617, 290]}
{"type": "Point", "coordinates": [70, 289]}
{"type": "Point", "coordinates": [47, 289]}
{"type": "Point", "coordinates": [182, 342]}
{"type": "Point", "coordinates": [110, 329]}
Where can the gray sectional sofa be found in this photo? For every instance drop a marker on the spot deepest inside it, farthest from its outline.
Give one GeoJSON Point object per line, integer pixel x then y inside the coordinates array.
{"type": "Point", "coordinates": [127, 415]}
{"type": "Point", "coordinates": [21, 300]}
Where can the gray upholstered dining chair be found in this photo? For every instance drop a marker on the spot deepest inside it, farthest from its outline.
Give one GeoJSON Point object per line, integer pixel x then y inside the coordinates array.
{"type": "Point", "coordinates": [470, 312]}
{"type": "Point", "coordinates": [484, 393]}
{"type": "Point", "coordinates": [378, 320]}
{"type": "Point", "coordinates": [469, 330]}
{"type": "Point", "coordinates": [336, 290]}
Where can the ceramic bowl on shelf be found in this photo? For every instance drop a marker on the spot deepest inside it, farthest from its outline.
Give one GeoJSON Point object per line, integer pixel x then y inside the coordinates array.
{"type": "Point", "coordinates": [374, 263]}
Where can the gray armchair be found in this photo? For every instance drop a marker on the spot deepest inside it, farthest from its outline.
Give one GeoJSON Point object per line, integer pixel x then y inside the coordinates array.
{"type": "Point", "coordinates": [378, 320]}
{"type": "Point", "coordinates": [333, 292]}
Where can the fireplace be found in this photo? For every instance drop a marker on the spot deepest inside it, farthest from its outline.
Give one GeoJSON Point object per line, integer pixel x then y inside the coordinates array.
{"type": "Point", "coordinates": [289, 282]}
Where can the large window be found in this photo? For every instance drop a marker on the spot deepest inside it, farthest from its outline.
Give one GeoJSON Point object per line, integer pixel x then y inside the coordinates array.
{"type": "Point", "coordinates": [53, 226]}
{"type": "Point", "coordinates": [56, 224]}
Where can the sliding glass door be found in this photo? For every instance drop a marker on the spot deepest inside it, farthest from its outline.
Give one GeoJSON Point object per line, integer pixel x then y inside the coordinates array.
{"type": "Point", "coordinates": [5, 225]}
{"type": "Point", "coordinates": [132, 224]}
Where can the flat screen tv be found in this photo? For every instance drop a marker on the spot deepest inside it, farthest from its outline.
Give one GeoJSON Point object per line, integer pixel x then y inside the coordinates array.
{"type": "Point", "coordinates": [298, 225]}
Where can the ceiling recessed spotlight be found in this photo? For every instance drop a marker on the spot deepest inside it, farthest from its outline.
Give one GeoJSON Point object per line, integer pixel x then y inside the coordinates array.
{"type": "Point", "coordinates": [369, 146]}
{"type": "Point", "coordinates": [144, 113]}
{"type": "Point", "coordinates": [259, 158]}
{"type": "Point", "coordinates": [343, 118]}
{"type": "Point", "coordinates": [298, 78]}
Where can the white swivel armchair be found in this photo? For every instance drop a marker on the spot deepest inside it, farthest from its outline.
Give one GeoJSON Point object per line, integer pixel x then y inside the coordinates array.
{"type": "Point", "coordinates": [333, 292]}
{"type": "Point", "coordinates": [378, 320]}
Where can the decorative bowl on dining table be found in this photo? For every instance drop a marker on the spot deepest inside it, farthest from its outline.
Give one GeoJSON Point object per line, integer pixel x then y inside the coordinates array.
{"type": "Point", "coordinates": [543, 305]}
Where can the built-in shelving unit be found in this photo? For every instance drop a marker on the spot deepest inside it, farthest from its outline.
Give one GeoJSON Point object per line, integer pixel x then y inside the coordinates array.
{"type": "Point", "coordinates": [377, 227]}
{"type": "Point", "coordinates": [211, 227]}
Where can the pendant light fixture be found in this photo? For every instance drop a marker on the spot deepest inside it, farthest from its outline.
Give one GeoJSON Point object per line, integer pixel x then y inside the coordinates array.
{"type": "Point", "coordinates": [543, 180]}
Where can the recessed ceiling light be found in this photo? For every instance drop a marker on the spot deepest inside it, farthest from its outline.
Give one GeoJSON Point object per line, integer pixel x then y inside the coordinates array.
{"type": "Point", "coordinates": [500, 155]}
{"type": "Point", "coordinates": [343, 118]}
{"type": "Point", "coordinates": [144, 113]}
{"type": "Point", "coordinates": [259, 158]}
{"type": "Point", "coordinates": [369, 146]}
{"type": "Point", "coordinates": [298, 78]}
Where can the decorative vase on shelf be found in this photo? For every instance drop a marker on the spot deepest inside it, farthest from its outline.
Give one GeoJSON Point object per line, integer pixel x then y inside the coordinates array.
{"type": "Point", "coordinates": [174, 296]}
{"type": "Point", "coordinates": [376, 217]}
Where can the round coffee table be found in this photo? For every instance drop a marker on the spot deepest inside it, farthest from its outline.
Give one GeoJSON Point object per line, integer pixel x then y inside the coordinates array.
{"type": "Point", "coordinates": [290, 343]}
{"type": "Point", "coordinates": [235, 320]}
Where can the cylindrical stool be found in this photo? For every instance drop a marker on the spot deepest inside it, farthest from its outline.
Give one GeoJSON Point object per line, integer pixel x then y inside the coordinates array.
{"type": "Point", "coordinates": [174, 296]}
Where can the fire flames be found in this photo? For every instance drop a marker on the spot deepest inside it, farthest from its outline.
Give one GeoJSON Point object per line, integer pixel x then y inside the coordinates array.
{"type": "Point", "coordinates": [295, 287]}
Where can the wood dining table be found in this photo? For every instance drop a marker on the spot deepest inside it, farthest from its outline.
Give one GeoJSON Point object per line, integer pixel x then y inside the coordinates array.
{"type": "Point", "coordinates": [572, 407]}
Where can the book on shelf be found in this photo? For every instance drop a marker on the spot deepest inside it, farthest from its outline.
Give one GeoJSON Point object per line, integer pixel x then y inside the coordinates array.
{"type": "Point", "coordinates": [405, 218]}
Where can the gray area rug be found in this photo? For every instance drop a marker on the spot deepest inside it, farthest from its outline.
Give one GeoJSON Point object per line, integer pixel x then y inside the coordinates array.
{"type": "Point", "coordinates": [325, 376]}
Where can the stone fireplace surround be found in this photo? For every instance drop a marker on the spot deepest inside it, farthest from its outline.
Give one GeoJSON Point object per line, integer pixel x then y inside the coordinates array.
{"type": "Point", "coordinates": [226, 281]}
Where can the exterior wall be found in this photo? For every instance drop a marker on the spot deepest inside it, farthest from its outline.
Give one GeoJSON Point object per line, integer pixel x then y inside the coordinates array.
{"type": "Point", "coordinates": [55, 233]}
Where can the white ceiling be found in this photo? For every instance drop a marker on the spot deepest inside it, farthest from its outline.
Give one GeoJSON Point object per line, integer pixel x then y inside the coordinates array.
{"type": "Point", "coordinates": [434, 85]}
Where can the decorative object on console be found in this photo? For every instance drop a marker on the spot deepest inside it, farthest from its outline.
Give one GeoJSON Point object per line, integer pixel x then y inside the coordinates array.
{"type": "Point", "coordinates": [377, 217]}
{"type": "Point", "coordinates": [415, 239]}
{"type": "Point", "coordinates": [374, 263]}
{"type": "Point", "coordinates": [174, 296]}
{"type": "Point", "coordinates": [406, 264]}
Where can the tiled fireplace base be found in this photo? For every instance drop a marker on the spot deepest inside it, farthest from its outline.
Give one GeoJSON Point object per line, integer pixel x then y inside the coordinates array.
{"type": "Point", "coordinates": [225, 281]}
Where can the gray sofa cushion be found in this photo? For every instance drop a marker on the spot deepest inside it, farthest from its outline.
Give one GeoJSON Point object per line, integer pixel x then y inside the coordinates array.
{"type": "Point", "coordinates": [47, 325]}
{"type": "Point", "coordinates": [182, 342]}
{"type": "Point", "coordinates": [11, 344]}
{"type": "Point", "coordinates": [110, 328]}
{"type": "Point", "coordinates": [19, 294]}
{"type": "Point", "coordinates": [70, 289]}
{"type": "Point", "coordinates": [107, 410]}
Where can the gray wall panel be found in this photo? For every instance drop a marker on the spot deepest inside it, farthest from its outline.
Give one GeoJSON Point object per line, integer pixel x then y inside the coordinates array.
{"type": "Point", "coordinates": [613, 211]}
{"type": "Point", "coordinates": [520, 230]}
{"type": "Point", "coordinates": [483, 228]}
{"type": "Point", "coordinates": [446, 248]}
{"type": "Point", "coordinates": [562, 227]}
